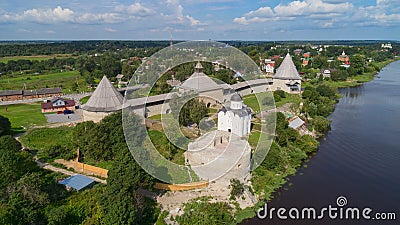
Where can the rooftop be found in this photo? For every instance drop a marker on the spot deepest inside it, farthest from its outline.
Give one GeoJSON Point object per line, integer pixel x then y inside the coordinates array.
{"type": "Point", "coordinates": [77, 182]}
{"type": "Point", "coordinates": [199, 81]}
{"type": "Point", "coordinates": [105, 98]}
{"type": "Point", "coordinates": [287, 70]}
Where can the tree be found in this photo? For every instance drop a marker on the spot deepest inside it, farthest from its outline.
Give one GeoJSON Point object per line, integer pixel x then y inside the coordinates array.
{"type": "Point", "coordinates": [201, 211]}
{"type": "Point", "coordinates": [320, 62]}
{"type": "Point", "coordinates": [339, 75]}
{"type": "Point", "coordinates": [326, 91]}
{"type": "Point", "coordinates": [187, 109]}
{"type": "Point", "coordinates": [122, 203]}
{"type": "Point", "coordinates": [236, 188]}
{"type": "Point", "coordinates": [321, 124]}
{"type": "Point", "coordinates": [5, 125]}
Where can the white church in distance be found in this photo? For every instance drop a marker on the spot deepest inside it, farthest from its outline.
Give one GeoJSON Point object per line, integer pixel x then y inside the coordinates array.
{"type": "Point", "coordinates": [235, 118]}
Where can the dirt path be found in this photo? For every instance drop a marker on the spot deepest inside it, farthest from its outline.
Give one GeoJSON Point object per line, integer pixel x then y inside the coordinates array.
{"type": "Point", "coordinates": [64, 171]}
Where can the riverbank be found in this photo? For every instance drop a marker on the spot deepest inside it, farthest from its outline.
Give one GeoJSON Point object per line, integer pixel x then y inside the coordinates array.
{"type": "Point", "coordinates": [280, 180]}
{"type": "Point", "coordinates": [358, 159]}
{"type": "Point", "coordinates": [360, 79]}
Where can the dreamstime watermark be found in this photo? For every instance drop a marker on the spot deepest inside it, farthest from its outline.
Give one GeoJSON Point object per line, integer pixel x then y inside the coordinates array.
{"type": "Point", "coordinates": [338, 211]}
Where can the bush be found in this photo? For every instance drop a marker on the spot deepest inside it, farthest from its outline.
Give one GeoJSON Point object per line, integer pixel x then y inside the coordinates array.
{"type": "Point", "coordinates": [280, 93]}
{"type": "Point", "coordinates": [5, 125]}
{"type": "Point", "coordinates": [236, 188]}
{"type": "Point", "coordinates": [321, 124]}
{"type": "Point", "coordinates": [277, 98]}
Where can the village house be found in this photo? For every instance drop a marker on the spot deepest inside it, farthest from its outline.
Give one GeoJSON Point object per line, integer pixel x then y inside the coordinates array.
{"type": "Point", "coordinates": [298, 51]}
{"type": "Point", "coordinates": [58, 105]}
{"type": "Point", "coordinates": [326, 73]}
{"type": "Point", "coordinates": [11, 95]}
{"type": "Point", "coordinates": [345, 59]}
{"type": "Point", "coordinates": [269, 66]}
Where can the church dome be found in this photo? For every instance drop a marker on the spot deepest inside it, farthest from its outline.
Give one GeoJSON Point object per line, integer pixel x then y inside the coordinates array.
{"type": "Point", "coordinates": [236, 98]}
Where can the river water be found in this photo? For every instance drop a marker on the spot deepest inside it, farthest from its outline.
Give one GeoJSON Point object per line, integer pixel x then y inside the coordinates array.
{"type": "Point", "coordinates": [359, 158]}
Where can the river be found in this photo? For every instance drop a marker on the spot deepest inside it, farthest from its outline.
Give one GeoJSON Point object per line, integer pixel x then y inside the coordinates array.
{"type": "Point", "coordinates": [358, 159]}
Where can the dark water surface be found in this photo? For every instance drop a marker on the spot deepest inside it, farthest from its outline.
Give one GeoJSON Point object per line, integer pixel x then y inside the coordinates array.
{"type": "Point", "coordinates": [358, 159]}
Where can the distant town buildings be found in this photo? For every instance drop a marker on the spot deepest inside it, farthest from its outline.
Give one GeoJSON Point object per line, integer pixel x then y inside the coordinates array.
{"type": "Point", "coordinates": [268, 66]}
{"type": "Point", "coordinates": [345, 59]}
{"type": "Point", "coordinates": [387, 46]}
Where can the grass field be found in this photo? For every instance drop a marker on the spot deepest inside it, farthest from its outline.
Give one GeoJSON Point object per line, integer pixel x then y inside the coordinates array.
{"type": "Point", "coordinates": [255, 101]}
{"type": "Point", "coordinates": [43, 138]}
{"type": "Point", "coordinates": [60, 79]}
{"type": "Point", "coordinates": [36, 57]}
{"type": "Point", "coordinates": [23, 115]}
{"type": "Point", "coordinates": [290, 98]}
{"type": "Point", "coordinates": [84, 99]}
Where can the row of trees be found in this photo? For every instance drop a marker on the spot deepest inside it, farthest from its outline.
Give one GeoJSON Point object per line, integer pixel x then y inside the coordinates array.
{"type": "Point", "coordinates": [319, 102]}
{"type": "Point", "coordinates": [31, 195]}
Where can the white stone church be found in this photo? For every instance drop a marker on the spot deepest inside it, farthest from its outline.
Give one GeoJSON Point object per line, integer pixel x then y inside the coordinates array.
{"type": "Point", "coordinates": [235, 118]}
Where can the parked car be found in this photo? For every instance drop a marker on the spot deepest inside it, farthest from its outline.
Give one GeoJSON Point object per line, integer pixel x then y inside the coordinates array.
{"type": "Point", "coordinates": [68, 112]}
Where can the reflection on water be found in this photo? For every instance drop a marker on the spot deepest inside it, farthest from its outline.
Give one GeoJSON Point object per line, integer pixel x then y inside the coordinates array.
{"type": "Point", "coordinates": [359, 158]}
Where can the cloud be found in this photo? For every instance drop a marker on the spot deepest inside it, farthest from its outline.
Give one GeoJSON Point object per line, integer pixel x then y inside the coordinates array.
{"type": "Point", "coordinates": [326, 13]}
{"type": "Point", "coordinates": [55, 15]}
{"type": "Point", "coordinates": [108, 29]}
{"type": "Point", "coordinates": [60, 15]}
{"type": "Point", "coordinates": [136, 9]}
{"type": "Point", "coordinates": [263, 11]}
{"type": "Point", "coordinates": [173, 13]}
{"type": "Point", "coordinates": [101, 18]}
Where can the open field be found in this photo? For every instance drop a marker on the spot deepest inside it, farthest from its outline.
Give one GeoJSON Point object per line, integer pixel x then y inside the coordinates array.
{"type": "Point", "coordinates": [35, 57]}
{"type": "Point", "coordinates": [290, 98]}
{"type": "Point", "coordinates": [44, 138]}
{"type": "Point", "coordinates": [60, 79]}
{"type": "Point", "coordinates": [255, 101]}
{"type": "Point", "coordinates": [47, 141]}
{"type": "Point", "coordinates": [23, 115]}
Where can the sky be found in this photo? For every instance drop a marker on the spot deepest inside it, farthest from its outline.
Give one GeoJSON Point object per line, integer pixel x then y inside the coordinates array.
{"type": "Point", "coordinates": [267, 20]}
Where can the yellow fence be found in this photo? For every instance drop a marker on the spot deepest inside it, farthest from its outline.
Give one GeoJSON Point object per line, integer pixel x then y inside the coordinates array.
{"type": "Point", "coordinates": [85, 168]}
{"type": "Point", "coordinates": [181, 187]}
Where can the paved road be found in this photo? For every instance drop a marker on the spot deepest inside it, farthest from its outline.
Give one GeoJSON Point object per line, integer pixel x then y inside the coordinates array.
{"type": "Point", "coordinates": [64, 171]}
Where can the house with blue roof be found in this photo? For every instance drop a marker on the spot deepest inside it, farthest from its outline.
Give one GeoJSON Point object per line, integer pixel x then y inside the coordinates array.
{"type": "Point", "coordinates": [77, 182]}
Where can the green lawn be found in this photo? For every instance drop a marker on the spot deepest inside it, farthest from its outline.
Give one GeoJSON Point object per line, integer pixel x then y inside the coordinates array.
{"type": "Point", "coordinates": [43, 138]}
{"type": "Point", "coordinates": [290, 98]}
{"type": "Point", "coordinates": [84, 99]}
{"type": "Point", "coordinates": [23, 115]}
{"type": "Point", "coordinates": [253, 138]}
{"type": "Point", "coordinates": [36, 57]}
{"type": "Point", "coordinates": [32, 81]}
{"type": "Point", "coordinates": [48, 140]}
{"type": "Point", "coordinates": [165, 148]}
{"type": "Point", "coordinates": [255, 101]}
{"type": "Point", "coordinates": [158, 116]}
